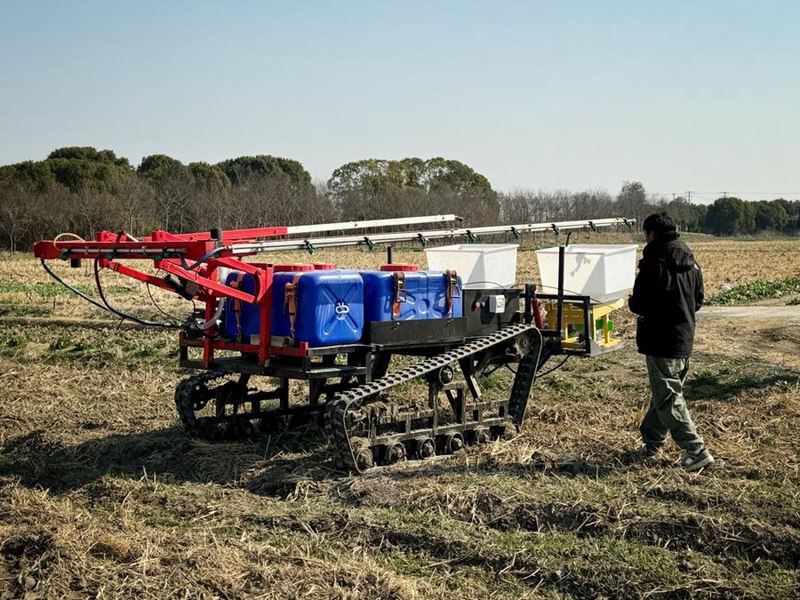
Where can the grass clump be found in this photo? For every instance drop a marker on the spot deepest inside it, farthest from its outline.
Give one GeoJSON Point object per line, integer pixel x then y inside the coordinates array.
{"type": "Point", "coordinates": [756, 290]}
{"type": "Point", "coordinates": [50, 289]}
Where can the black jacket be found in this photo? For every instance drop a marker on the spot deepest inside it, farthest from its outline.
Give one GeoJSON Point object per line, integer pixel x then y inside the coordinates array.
{"type": "Point", "coordinates": [666, 294]}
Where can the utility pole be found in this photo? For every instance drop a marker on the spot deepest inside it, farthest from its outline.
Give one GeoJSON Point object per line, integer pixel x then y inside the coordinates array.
{"type": "Point", "coordinates": [689, 197]}
{"type": "Point", "coordinates": [724, 194]}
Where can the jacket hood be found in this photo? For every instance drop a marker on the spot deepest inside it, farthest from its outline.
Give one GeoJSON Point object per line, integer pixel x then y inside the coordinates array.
{"type": "Point", "coordinates": [669, 249]}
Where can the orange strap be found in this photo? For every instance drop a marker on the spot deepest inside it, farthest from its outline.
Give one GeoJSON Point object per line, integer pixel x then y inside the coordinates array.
{"type": "Point", "coordinates": [451, 281]}
{"type": "Point", "coordinates": [290, 298]}
{"type": "Point", "coordinates": [237, 306]}
{"type": "Point", "coordinates": [399, 290]}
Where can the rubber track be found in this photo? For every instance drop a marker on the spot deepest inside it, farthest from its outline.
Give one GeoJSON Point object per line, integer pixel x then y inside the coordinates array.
{"type": "Point", "coordinates": [523, 381]}
{"type": "Point", "coordinates": [183, 400]}
{"type": "Point", "coordinates": [338, 409]}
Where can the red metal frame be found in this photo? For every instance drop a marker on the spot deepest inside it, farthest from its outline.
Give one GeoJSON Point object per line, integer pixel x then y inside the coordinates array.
{"type": "Point", "coordinates": [174, 253]}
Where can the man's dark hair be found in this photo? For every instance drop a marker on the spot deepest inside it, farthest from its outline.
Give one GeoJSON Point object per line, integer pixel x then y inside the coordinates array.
{"type": "Point", "coordinates": [659, 224]}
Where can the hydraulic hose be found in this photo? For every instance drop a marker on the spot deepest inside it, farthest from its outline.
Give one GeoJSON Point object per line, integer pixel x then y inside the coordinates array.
{"type": "Point", "coordinates": [215, 317]}
{"type": "Point", "coordinates": [69, 287]}
{"type": "Point", "coordinates": [120, 313]}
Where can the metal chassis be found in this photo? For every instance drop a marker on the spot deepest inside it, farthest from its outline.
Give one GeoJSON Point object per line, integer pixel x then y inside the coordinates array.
{"type": "Point", "coordinates": [366, 362]}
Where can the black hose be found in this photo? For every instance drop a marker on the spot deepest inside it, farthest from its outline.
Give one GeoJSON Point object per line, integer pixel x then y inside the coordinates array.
{"type": "Point", "coordinates": [202, 259]}
{"type": "Point", "coordinates": [69, 287]}
{"type": "Point", "coordinates": [153, 300]}
{"type": "Point", "coordinates": [120, 313]}
{"type": "Point", "coordinates": [558, 366]}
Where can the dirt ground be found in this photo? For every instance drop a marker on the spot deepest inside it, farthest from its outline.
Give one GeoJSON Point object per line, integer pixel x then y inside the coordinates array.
{"type": "Point", "coordinates": [102, 495]}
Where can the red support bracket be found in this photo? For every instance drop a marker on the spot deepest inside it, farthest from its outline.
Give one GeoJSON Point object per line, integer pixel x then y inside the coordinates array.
{"type": "Point", "coordinates": [210, 285]}
{"type": "Point", "coordinates": [134, 273]}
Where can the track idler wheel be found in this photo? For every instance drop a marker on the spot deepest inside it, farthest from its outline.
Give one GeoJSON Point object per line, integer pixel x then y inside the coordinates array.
{"type": "Point", "coordinates": [362, 454]}
{"type": "Point", "coordinates": [192, 396]}
{"type": "Point", "coordinates": [425, 448]}
{"type": "Point", "coordinates": [452, 443]}
{"type": "Point", "coordinates": [523, 345]}
{"type": "Point", "coordinates": [442, 376]}
{"type": "Point", "coordinates": [395, 453]}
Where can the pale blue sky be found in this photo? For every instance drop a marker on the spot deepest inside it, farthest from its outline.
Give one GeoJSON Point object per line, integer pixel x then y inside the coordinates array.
{"type": "Point", "coordinates": [681, 95]}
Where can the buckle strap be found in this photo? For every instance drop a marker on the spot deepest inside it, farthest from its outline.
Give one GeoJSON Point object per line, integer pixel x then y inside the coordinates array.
{"type": "Point", "coordinates": [290, 301]}
{"type": "Point", "coordinates": [400, 294]}
{"type": "Point", "coordinates": [237, 306]}
{"type": "Point", "coordinates": [451, 284]}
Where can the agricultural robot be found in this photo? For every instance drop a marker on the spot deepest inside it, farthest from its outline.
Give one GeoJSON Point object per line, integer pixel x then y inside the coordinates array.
{"type": "Point", "coordinates": [338, 331]}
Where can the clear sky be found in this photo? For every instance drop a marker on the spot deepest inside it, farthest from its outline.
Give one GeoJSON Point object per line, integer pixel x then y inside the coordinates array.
{"type": "Point", "coordinates": [681, 95]}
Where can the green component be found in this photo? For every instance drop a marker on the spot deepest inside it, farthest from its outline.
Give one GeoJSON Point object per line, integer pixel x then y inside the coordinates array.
{"type": "Point", "coordinates": [598, 325]}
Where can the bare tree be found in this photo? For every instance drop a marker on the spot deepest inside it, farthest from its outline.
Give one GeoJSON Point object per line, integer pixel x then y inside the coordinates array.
{"type": "Point", "coordinates": [136, 200]}
{"type": "Point", "coordinates": [17, 212]}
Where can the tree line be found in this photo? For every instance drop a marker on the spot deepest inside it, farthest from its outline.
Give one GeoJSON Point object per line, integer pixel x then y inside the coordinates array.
{"type": "Point", "coordinates": [83, 190]}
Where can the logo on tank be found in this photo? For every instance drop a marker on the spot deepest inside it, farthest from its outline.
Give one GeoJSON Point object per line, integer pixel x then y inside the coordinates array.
{"type": "Point", "coordinates": [341, 309]}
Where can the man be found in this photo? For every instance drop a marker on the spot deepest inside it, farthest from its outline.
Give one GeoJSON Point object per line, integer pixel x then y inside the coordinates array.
{"type": "Point", "coordinates": [666, 294]}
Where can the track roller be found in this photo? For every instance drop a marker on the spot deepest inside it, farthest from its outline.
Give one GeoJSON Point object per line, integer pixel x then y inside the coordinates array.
{"type": "Point", "coordinates": [425, 448]}
{"type": "Point", "coordinates": [362, 453]}
{"type": "Point", "coordinates": [442, 376]}
{"type": "Point", "coordinates": [481, 435]}
{"type": "Point", "coordinates": [395, 453]}
{"type": "Point", "coordinates": [452, 443]}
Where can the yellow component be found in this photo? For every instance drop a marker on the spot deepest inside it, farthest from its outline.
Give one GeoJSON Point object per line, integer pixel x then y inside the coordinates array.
{"type": "Point", "coordinates": [73, 236]}
{"type": "Point", "coordinates": [573, 316]}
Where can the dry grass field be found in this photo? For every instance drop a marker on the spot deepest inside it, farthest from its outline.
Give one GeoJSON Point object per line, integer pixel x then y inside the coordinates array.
{"type": "Point", "coordinates": [102, 495]}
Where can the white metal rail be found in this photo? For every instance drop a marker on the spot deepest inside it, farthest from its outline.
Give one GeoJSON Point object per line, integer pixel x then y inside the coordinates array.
{"type": "Point", "coordinates": [422, 236]}
{"type": "Point", "coordinates": [350, 225]}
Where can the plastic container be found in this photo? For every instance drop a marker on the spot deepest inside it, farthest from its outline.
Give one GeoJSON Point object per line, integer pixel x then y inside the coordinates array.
{"type": "Point", "coordinates": [437, 293]}
{"type": "Point", "coordinates": [329, 307]}
{"type": "Point", "coordinates": [481, 266]}
{"type": "Point", "coordinates": [603, 272]}
{"type": "Point", "coordinates": [241, 319]}
{"type": "Point", "coordinates": [379, 296]}
{"type": "Point", "coordinates": [425, 296]}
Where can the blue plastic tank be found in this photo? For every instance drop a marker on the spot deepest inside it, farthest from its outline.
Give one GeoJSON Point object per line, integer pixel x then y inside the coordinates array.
{"type": "Point", "coordinates": [425, 296]}
{"type": "Point", "coordinates": [379, 296]}
{"type": "Point", "coordinates": [437, 293]}
{"type": "Point", "coordinates": [242, 319]}
{"type": "Point", "coordinates": [329, 307]}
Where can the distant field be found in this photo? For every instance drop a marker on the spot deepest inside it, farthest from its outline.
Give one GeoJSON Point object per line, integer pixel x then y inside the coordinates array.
{"type": "Point", "coordinates": [102, 495]}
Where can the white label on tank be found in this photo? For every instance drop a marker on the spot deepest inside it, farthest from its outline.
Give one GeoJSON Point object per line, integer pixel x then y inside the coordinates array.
{"type": "Point", "coordinates": [497, 304]}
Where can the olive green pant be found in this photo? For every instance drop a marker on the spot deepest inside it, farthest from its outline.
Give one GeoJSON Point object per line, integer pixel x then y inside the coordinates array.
{"type": "Point", "coordinates": [668, 412]}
